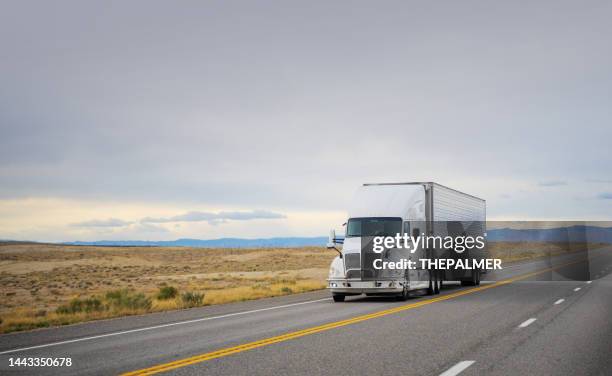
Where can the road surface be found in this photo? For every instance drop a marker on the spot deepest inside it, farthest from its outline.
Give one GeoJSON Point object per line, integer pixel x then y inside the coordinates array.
{"type": "Point", "coordinates": [548, 317]}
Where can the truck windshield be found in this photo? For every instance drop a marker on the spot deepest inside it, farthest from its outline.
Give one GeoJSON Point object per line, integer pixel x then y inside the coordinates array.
{"type": "Point", "coordinates": [373, 227]}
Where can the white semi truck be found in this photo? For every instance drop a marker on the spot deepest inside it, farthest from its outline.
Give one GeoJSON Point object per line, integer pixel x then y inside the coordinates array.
{"type": "Point", "coordinates": [415, 208]}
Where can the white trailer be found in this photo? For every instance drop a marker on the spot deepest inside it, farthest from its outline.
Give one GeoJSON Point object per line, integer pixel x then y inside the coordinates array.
{"type": "Point", "coordinates": [415, 208]}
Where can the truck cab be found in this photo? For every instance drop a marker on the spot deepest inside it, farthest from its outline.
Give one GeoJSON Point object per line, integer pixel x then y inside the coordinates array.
{"type": "Point", "coordinates": [390, 209]}
{"type": "Point", "coordinates": [378, 211]}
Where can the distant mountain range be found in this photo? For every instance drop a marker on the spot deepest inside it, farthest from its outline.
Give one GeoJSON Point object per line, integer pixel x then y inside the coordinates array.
{"type": "Point", "coordinates": [215, 243]}
{"type": "Point", "coordinates": [579, 233]}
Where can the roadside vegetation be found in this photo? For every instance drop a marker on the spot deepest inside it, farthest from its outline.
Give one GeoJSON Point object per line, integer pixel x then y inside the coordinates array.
{"type": "Point", "coordinates": [50, 285]}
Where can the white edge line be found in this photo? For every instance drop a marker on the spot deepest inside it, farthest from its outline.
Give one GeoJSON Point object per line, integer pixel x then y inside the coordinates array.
{"type": "Point", "coordinates": [527, 322]}
{"type": "Point", "coordinates": [457, 368]}
{"type": "Point", "coordinates": [577, 289]}
{"type": "Point", "coordinates": [559, 301]}
{"type": "Point", "coordinates": [158, 326]}
{"type": "Point", "coordinates": [588, 282]}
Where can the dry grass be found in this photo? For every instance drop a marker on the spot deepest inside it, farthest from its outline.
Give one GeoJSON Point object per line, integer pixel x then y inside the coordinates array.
{"type": "Point", "coordinates": [37, 279]}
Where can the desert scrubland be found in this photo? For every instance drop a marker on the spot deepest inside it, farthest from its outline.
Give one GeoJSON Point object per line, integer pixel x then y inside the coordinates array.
{"type": "Point", "coordinates": [45, 285]}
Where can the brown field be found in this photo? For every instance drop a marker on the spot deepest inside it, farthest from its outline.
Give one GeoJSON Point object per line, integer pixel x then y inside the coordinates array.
{"type": "Point", "coordinates": [46, 285]}
{"type": "Point", "coordinates": [37, 279]}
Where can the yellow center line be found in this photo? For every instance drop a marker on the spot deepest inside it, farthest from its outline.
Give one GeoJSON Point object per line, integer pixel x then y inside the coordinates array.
{"type": "Point", "coordinates": [304, 332]}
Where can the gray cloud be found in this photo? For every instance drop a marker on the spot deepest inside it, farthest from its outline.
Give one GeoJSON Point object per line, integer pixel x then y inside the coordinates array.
{"type": "Point", "coordinates": [290, 106]}
{"type": "Point", "coordinates": [148, 228]}
{"type": "Point", "coordinates": [103, 223]}
{"type": "Point", "coordinates": [147, 224]}
{"type": "Point", "coordinates": [552, 183]}
{"type": "Point", "coordinates": [605, 196]}
{"type": "Point", "coordinates": [216, 218]}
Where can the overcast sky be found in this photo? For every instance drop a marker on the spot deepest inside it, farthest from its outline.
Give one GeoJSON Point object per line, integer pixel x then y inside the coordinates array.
{"type": "Point", "coordinates": [159, 120]}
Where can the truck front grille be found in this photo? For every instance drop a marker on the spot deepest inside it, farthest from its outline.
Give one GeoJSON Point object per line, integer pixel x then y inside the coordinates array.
{"type": "Point", "coordinates": [352, 261]}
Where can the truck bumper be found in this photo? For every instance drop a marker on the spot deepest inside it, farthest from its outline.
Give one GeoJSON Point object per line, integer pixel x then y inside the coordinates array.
{"type": "Point", "coordinates": [347, 286]}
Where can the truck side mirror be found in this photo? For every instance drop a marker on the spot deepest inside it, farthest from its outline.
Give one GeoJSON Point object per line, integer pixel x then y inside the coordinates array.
{"type": "Point", "coordinates": [407, 228]}
{"type": "Point", "coordinates": [331, 241]}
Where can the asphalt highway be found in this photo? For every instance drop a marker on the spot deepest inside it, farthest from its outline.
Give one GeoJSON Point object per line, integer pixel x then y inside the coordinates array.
{"type": "Point", "coordinates": [551, 317]}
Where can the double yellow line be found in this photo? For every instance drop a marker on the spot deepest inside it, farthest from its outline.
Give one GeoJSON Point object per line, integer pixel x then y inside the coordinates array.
{"type": "Point", "coordinates": [321, 328]}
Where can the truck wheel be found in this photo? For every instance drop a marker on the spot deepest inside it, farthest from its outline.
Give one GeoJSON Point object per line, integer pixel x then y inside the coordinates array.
{"type": "Point", "coordinates": [404, 295]}
{"type": "Point", "coordinates": [338, 297]}
{"type": "Point", "coordinates": [431, 290]}
{"type": "Point", "coordinates": [473, 281]}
